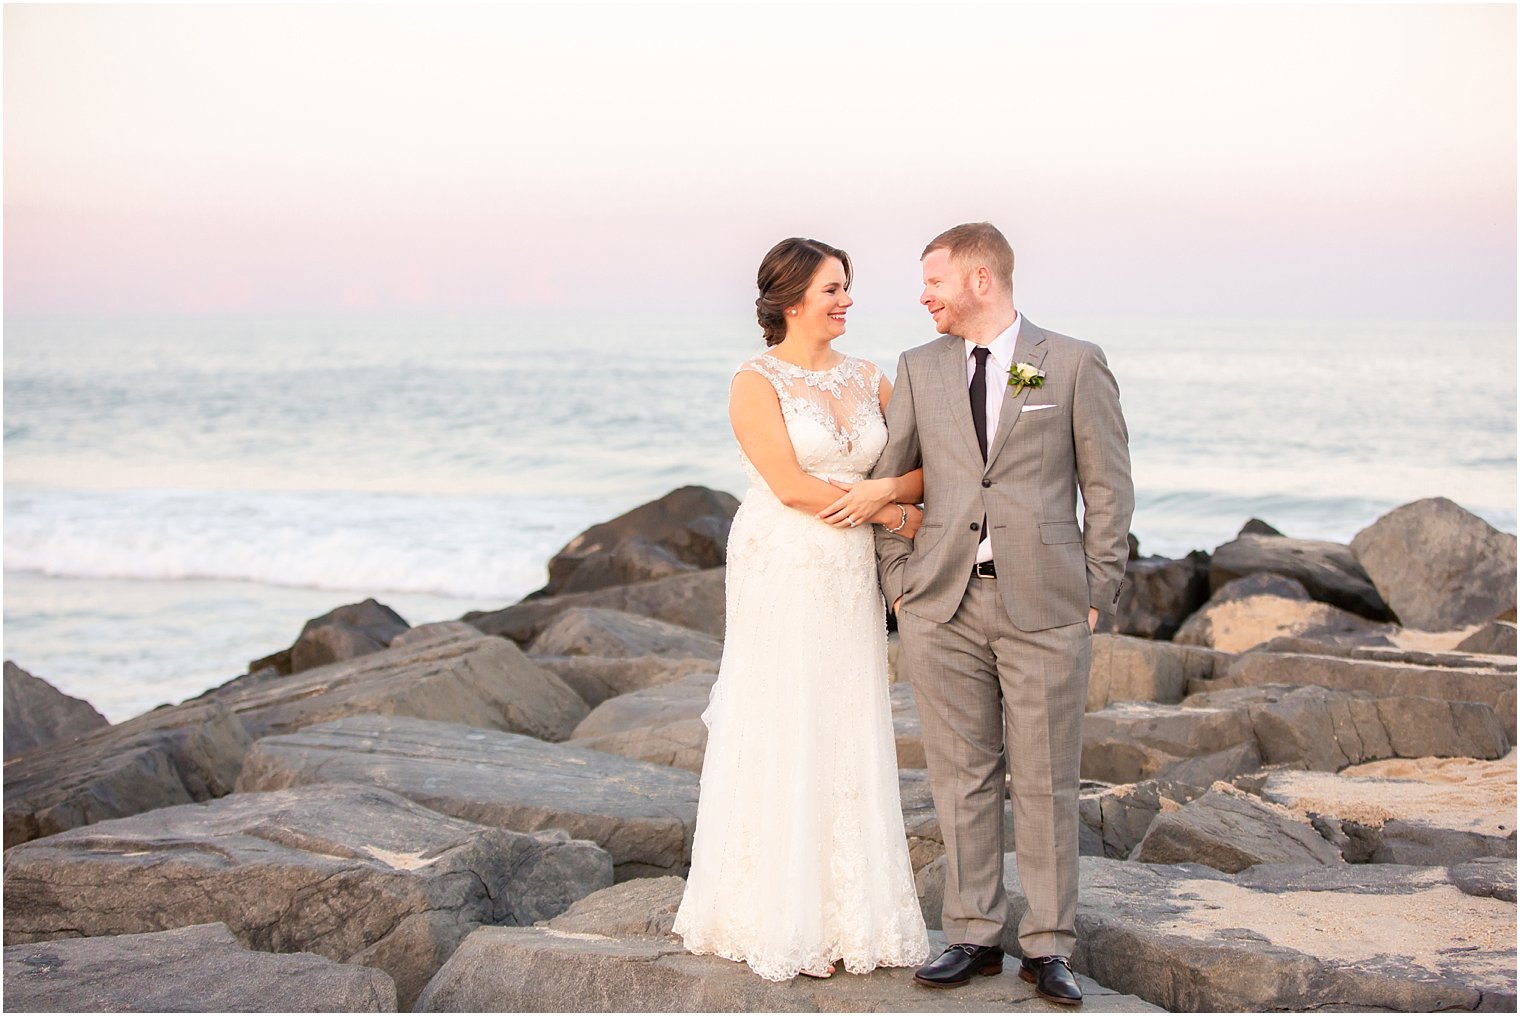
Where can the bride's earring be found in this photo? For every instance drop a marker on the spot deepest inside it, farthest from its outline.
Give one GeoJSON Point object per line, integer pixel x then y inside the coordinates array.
{"type": "Point", "coordinates": [793, 312]}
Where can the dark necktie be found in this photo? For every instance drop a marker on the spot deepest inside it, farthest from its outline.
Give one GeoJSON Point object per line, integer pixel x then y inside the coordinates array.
{"type": "Point", "coordinates": [979, 398]}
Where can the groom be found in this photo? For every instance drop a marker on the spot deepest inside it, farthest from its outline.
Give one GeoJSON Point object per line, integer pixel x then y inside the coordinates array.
{"type": "Point", "coordinates": [997, 596]}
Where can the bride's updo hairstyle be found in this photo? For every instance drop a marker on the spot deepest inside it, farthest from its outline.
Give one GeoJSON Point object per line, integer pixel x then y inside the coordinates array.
{"type": "Point", "coordinates": [783, 280]}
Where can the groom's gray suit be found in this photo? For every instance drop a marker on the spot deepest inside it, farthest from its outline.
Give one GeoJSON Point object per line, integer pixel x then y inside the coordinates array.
{"type": "Point", "coordinates": [1004, 661]}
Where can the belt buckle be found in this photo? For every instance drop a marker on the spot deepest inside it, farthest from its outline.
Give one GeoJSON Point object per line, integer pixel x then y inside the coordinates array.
{"type": "Point", "coordinates": [985, 570]}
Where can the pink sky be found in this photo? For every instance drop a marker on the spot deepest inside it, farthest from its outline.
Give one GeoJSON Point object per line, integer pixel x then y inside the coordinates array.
{"type": "Point", "coordinates": [1298, 161]}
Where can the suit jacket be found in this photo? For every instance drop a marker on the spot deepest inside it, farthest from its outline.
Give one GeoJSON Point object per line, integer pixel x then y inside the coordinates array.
{"type": "Point", "coordinates": [1050, 570]}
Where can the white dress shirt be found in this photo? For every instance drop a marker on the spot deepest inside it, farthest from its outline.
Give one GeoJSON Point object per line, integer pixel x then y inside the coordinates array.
{"type": "Point", "coordinates": [999, 363]}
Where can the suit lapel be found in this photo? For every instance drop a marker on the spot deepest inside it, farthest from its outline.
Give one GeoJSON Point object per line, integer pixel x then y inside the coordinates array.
{"type": "Point", "coordinates": [952, 366]}
{"type": "Point", "coordinates": [1030, 349]}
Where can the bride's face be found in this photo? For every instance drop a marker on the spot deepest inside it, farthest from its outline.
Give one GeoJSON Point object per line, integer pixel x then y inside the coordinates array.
{"type": "Point", "coordinates": [822, 310]}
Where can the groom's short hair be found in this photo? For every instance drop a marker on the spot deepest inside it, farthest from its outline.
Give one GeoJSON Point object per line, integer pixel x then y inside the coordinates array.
{"type": "Point", "coordinates": [972, 244]}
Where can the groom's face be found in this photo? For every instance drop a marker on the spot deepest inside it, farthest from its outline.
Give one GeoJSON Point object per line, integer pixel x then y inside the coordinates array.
{"type": "Point", "coordinates": [947, 292]}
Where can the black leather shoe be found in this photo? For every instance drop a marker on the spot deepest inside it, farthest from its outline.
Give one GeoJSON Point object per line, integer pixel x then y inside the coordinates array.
{"type": "Point", "coordinates": [1052, 979]}
{"type": "Point", "coordinates": [957, 963]}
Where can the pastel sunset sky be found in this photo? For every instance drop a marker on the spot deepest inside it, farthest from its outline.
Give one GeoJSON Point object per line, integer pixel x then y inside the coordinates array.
{"type": "Point", "coordinates": [1269, 160]}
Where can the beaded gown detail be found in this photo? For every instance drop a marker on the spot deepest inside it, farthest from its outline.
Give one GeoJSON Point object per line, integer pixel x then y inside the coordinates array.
{"type": "Point", "coordinates": [799, 856]}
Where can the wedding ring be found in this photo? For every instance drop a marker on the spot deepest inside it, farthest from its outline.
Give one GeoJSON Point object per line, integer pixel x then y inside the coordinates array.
{"type": "Point", "coordinates": [852, 520]}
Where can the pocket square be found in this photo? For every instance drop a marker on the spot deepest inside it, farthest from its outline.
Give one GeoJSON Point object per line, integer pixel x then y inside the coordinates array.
{"type": "Point", "coordinates": [1030, 409]}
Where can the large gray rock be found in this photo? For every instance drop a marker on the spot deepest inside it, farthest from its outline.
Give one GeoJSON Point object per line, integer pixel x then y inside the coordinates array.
{"type": "Point", "coordinates": [662, 724]}
{"type": "Point", "coordinates": [1477, 683]}
{"type": "Point", "coordinates": [451, 673]}
{"type": "Point", "coordinates": [353, 873]}
{"type": "Point", "coordinates": [683, 699]}
{"type": "Point", "coordinates": [1294, 937]}
{"type": "Point", "coordinates": [614, 951]}
{"type": "Point", "coordinates": [169, 756]}
{"type": "Point", "coordinates": [345, 632]}
{"type": "Point", "coordinates": [642, 908]}
{"type": "Point", "coordinates": [1230, 831]}
{"type": "Point", "coordinates": [1128, 669]}
{"type": "Point", "coordinates": [1495, 638]}
{"type": "Point", "coordinates": [1438, 565]}
{"type": "Point", "coordinates": [1329, 571]}
{"type": "Point", "coordinates": [594, 631]}
{"type": "Point", "coordinates": [1118, 816]}
{"type": "Point", "coordinates": [685, 530]}
{"type": "Point", "coordinates": [1420, 811]}
{"type": "Point", "coordinates": [1216, 735]}
{"type": "Point", "coordinates": [598, 678]}
{"type": "Point", "coordinates": [202, 968]}
{"type": "Point", "coordinates": [1158, 595]}
{"type": "Point", "coordinates": [341, 634]}
{"type": "Point", "coordinates": [642, 814]}
{"type": "Point", "coordinates": [1131, 741]}
{"type": "Point", "coordinates": [1324, 729]}
{"type": "Point", "coordinates": [37, 713]}
{"type": "Point", "coordinates": [692, 600]}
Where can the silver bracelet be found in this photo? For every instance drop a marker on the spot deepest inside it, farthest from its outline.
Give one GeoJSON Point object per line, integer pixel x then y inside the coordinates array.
{"type": "Point", "coordinates": [903, 524]}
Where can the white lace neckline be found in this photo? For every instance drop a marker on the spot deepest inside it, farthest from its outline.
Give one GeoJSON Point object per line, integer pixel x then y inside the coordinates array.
{"type": "Point", "coordinates": [798, 369]}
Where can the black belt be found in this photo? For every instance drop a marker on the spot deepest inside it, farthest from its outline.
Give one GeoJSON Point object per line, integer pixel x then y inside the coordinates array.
{"type": "Point", "coordinates": [985, 570]}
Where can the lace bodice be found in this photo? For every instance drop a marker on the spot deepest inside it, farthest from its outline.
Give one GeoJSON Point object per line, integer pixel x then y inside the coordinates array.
{"type": "Point", "coordinates": [833, 416]}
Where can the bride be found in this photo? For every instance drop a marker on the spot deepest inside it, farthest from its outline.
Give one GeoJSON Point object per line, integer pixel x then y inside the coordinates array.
{"type": "Point", "coordinates": [799, 857]}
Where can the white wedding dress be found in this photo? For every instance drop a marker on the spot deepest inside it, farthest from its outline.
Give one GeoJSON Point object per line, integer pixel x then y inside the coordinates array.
{"type": "Point", "coordinates": [800, 856]}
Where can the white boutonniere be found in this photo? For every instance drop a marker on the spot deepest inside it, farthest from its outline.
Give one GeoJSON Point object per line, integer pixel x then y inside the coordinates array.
{"type": "Point", "coordinates": [1025, 375]}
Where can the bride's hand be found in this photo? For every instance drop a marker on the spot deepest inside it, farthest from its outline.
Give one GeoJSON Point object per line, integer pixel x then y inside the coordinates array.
{"type": "Point", "coordinates": [859, 501]}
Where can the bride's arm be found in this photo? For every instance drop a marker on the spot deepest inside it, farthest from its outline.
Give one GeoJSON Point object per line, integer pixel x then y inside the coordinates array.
{"type": "Point", "coordinates": [755, 413]}
{"type": "Point", "coordinates": [872, 497]}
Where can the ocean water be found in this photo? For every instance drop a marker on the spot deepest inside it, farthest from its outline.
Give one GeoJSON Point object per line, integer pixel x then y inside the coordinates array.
{"type": "Point", "coordinates": [181, 494]}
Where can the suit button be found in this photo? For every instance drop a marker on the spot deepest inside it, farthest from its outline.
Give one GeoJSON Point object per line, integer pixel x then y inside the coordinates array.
{"type": "Point", "coordinates": [975, 526]}
{"type": "Point", "coordinates": [986, 483]}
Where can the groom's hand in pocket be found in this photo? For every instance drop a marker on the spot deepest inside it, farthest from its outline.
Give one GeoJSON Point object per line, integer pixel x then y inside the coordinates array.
{"type": "Point", "coordinates": [1092, 619]}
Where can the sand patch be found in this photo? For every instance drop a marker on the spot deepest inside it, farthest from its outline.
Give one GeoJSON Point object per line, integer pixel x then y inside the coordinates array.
{"type": "Point", "coordinates": [400, 861]}
{"type": "Point", "coordinates": [1415, 640]}
{"type": "Point", "coordinates": [1474, 795]}
{"type": "Point", "coordinates": [1419, 927]}
{"type": "Point", "coordinates": [1237, 625]}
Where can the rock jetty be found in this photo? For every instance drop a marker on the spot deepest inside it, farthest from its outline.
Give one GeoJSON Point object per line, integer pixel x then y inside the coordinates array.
{"type": "Point", "coordinates": [1298, 794]}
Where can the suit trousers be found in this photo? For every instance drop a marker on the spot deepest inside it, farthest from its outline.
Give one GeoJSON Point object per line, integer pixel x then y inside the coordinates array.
{"type": "Point", "coordinates": [994, 699]}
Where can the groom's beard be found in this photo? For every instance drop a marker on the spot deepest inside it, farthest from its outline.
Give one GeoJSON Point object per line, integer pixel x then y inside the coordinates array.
{"type": "Point", "coordinates": [959, 312]}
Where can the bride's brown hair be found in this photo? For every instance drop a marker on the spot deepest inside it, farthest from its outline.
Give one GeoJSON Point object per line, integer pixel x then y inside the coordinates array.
{"type": "Point", "coordinates": [783, 280]}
